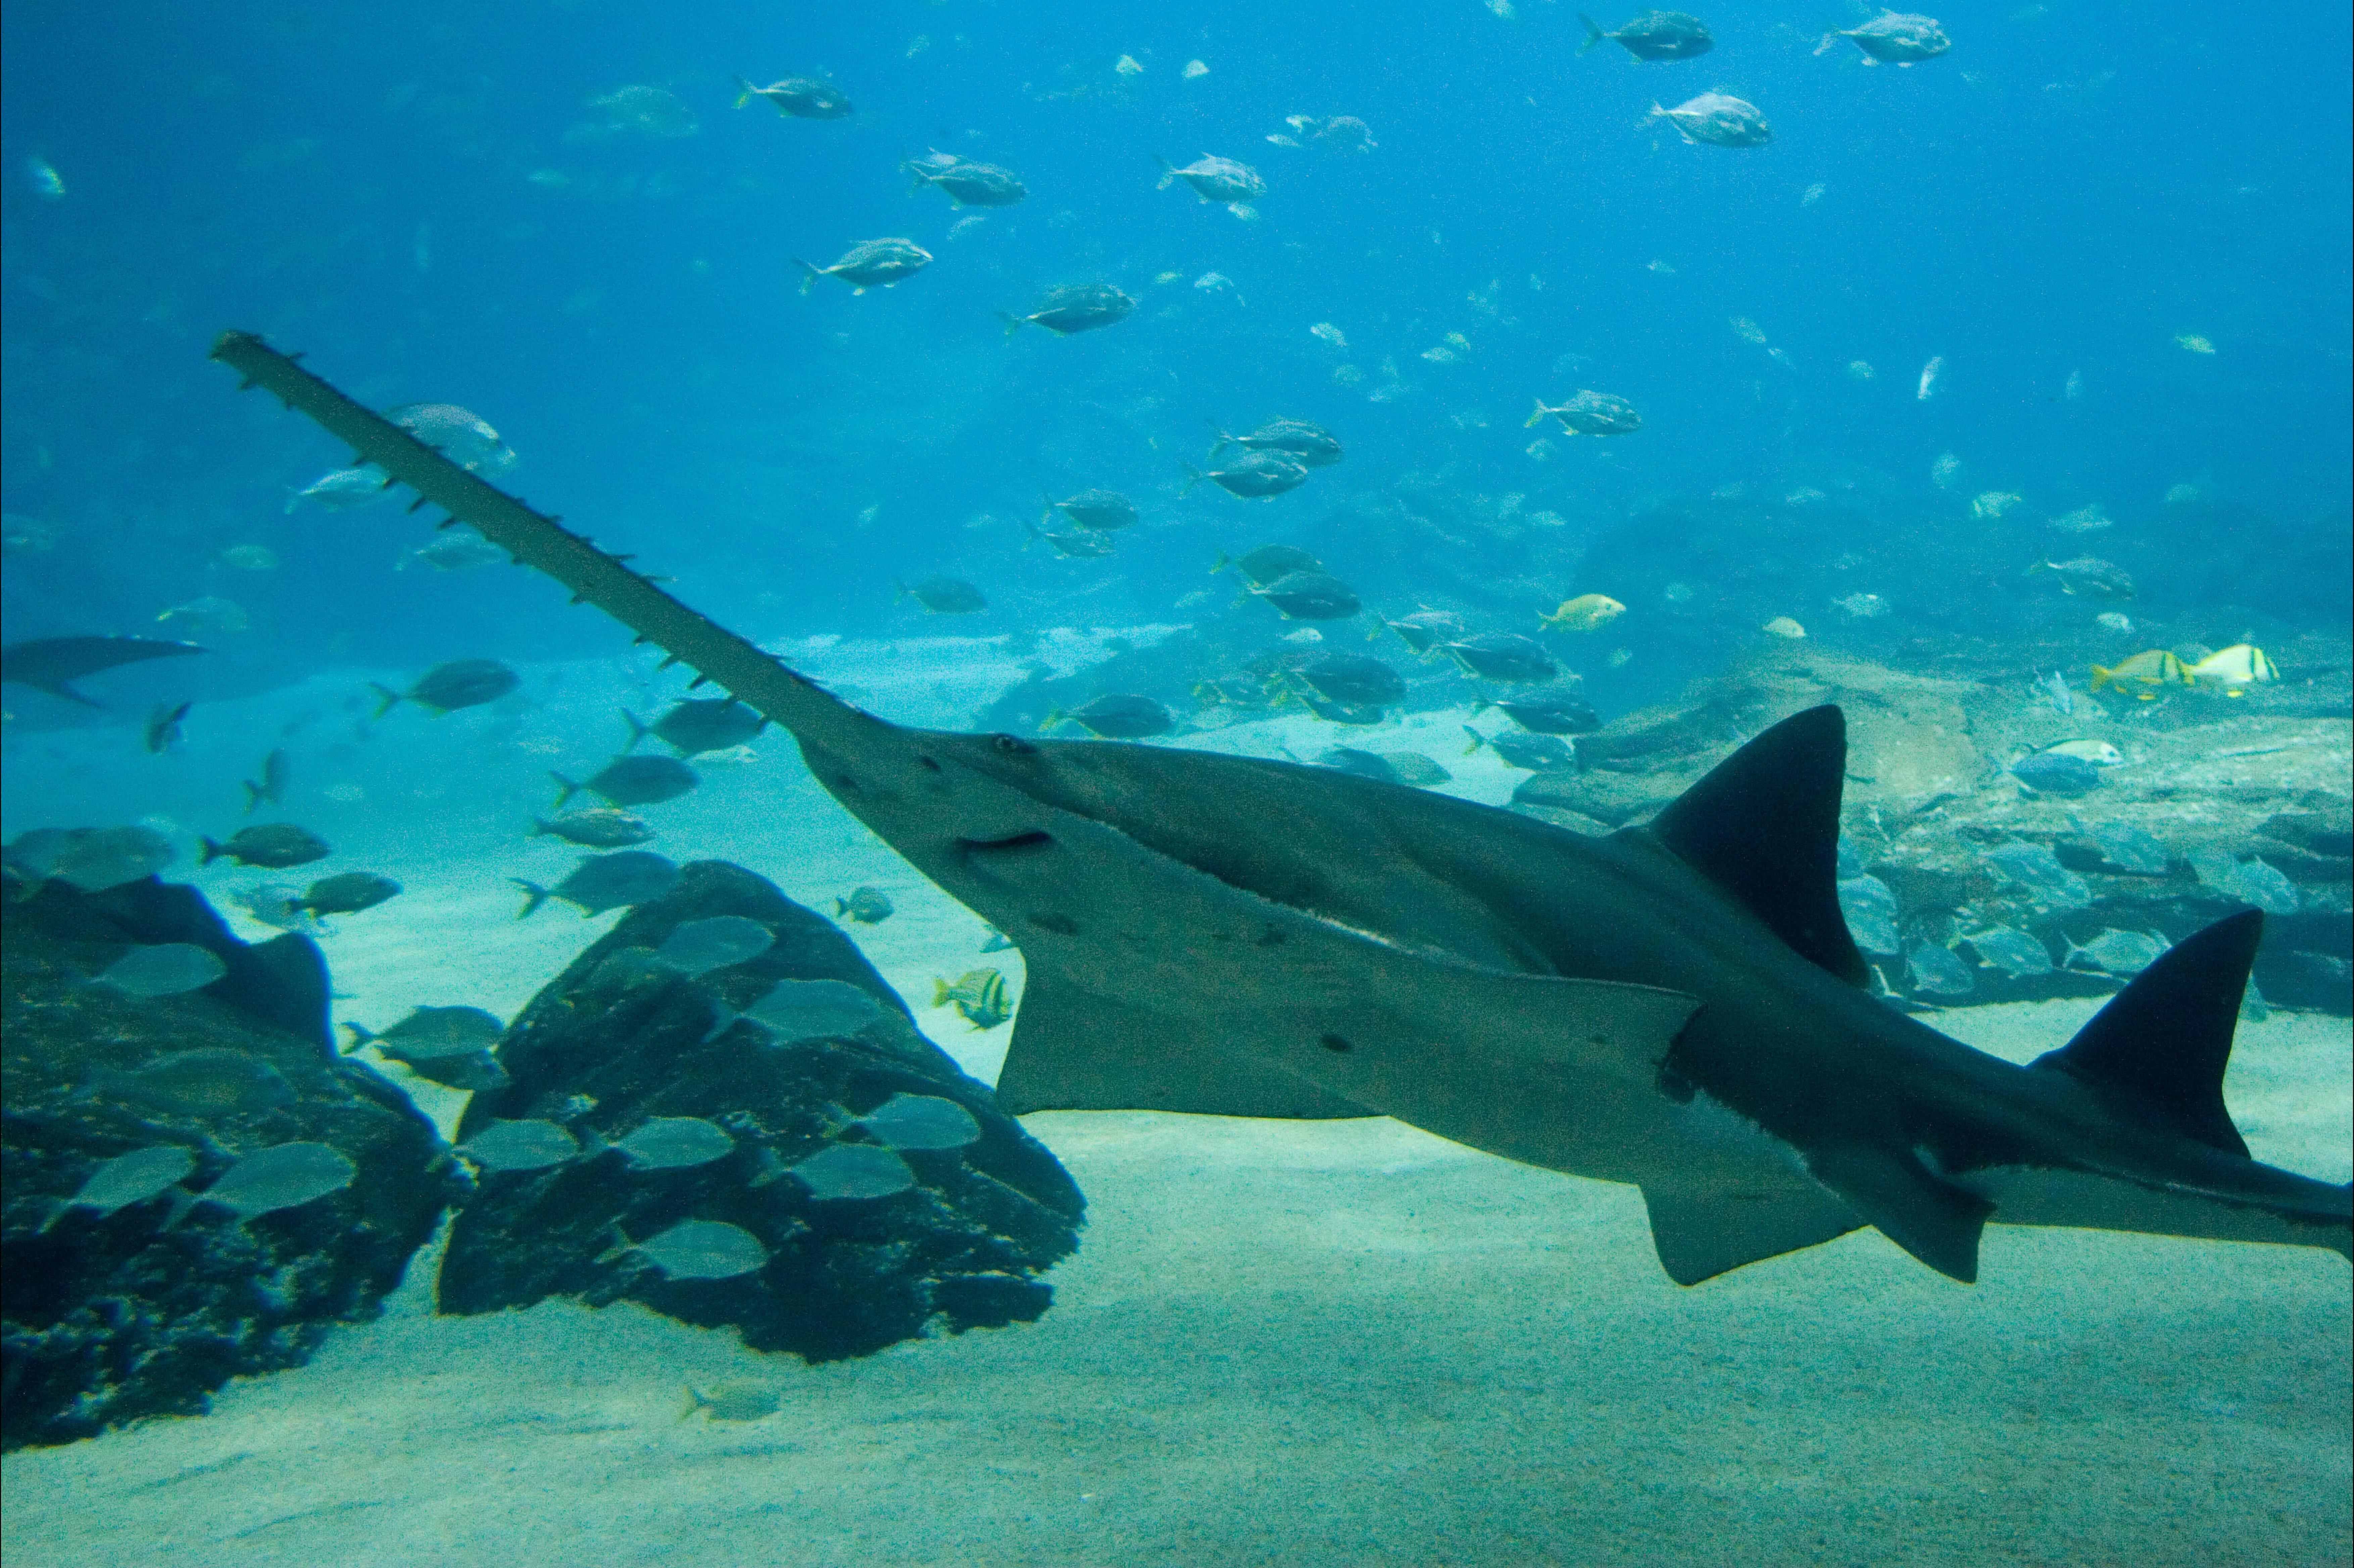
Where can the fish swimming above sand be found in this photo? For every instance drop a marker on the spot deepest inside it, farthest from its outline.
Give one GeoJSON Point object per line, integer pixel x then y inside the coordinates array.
{"type": "Point", "coordinates": [1254, 476]}
{"type": "Point", "coordinates": [696, 725]}
{"type": "Point", "coordinates": [867, 906]}
{"type": "Point", "coordinates": [870, 264]}
{"type": "Point", "coordinates": [1313, 445]}
{"type": "Point", "coordinates": [1653, 35]}
{"type": "Point", "coordinates": [602, 882]}
{"type": "Point", "coordinates": [274, 844]}
{"type": "Point", "coordinates": [600, 827]}
{"type": "Point", "coordinates": [1677, 1006]}
{"type": "Point", "coordinates": [1718, 119]}
{"type": "Point", "coordinates": [1892, 39]}
{"type": "Point", "coordinates": [633, 781]}
{"type": "Point", "coordinates": [1216, 180]}
{"type": "Point", "coordinates": [1101, 511]}
{"type": "Point", "coordinates": [52, 664]}
{"type": "Point", "coordinates": [1267, 564]}
{"type": "Point", "coordinates": [1589, 413]}
{"type": "Point", "coordinates": [446, 688]}
{"type": "Point", "coordinates": [798, 98]}
{"type": "Point", "coordinates": [1074, 308]}
{"type": "Point", "coordinates": [943, 596]}
{"type": "Point", "coordinates": [968, 183]}
{"type": "Point", "coordinates": [1117, 715]}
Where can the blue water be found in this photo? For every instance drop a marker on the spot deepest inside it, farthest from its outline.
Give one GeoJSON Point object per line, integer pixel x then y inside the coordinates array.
{"type": "Point", "coordinates": [2120, 232]}
{"type": "Point", "coordinates": [2065, 191]}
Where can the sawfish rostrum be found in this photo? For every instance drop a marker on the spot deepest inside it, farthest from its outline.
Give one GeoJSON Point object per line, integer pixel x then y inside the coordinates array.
{"type": "Point", "coordinates": [1678, 1006]}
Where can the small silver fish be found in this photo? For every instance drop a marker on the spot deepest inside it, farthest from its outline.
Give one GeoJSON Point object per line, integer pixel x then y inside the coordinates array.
{"type": "Point", "coordinates": [675, 1143]}
{"type": "Point", "coordinates": [852, 1171]}
{"type": "Point", "coordinates": [166, 968]}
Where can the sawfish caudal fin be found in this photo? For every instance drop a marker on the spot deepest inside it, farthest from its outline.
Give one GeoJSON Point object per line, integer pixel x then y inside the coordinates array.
{"type": "Point", "coordinates": [1764, 826]}
{"type": "Point", "coordinates": [2157, 1052]}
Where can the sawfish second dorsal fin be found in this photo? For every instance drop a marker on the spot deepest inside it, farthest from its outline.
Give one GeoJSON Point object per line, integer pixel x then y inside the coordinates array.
{"type": "Point", "coordinates": [2157, 1049]}
{"type": "Point", "coordinates": [1764, 826]}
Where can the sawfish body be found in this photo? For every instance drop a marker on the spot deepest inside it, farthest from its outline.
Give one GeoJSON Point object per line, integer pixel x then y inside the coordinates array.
{"type": "Point", "coordinates": [1678, 1006]}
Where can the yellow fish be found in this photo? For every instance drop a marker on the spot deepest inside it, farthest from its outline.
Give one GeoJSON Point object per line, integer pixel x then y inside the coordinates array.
{"type": "Point", "coordinates": [2234, 669]}
{"type": "Point", "coordinates": [2151, 667]}
{"type": "Point", "coordinates": [1587, 612]}
{"type": "Point", "coordinates": [979, 994]}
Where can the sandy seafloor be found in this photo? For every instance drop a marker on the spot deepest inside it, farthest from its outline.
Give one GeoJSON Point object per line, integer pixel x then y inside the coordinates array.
{"type": "Point", "coordinates": [1315, 1343]}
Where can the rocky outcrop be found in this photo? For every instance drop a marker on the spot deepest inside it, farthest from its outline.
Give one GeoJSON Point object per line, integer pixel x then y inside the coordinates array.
{"type": "Point", "coordinates": [146, 1308]}
{"type": "Point", "coordinates": [616, 1039]}
{"type": "Point", "coordinates": [2218, 783]}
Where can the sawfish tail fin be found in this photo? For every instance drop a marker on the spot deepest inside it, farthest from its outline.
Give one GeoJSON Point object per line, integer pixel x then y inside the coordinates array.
{"type": "Point", "coordinates": [2155, 1052]}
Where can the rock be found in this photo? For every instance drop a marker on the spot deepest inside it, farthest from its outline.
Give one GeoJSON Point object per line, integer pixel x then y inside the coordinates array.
{"type": "Point", "coordinates": [147, 1310]}
{"type": "Point", "coordinates": [1613, 799]}
{"type": "Point", "coordinates": [607, 1045]}
{"type": "Point", "coordinates": [1927, 801]}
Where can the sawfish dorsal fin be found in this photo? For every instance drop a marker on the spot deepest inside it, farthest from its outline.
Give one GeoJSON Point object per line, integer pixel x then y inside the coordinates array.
{"type": "Point", "coordinates": [1764, 826]}
{"type": "Point", "coordinates": [2158, 1048]}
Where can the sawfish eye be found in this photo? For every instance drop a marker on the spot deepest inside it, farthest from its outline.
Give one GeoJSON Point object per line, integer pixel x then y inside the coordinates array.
{"type": "Point", "coordinates": [1012, 746]}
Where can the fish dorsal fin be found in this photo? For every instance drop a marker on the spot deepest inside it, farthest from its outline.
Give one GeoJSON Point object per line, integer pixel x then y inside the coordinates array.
{"type": "Point", "coordinates": [1764, 826]}
{"type": "Point", "coordinates": [2157, 1050]}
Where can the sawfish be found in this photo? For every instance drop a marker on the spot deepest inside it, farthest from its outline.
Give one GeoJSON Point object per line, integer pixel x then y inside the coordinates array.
{"type": "Point", "coordinates": [53, 663]}
{"type": "Point", "coordinates": [1678, 1006]}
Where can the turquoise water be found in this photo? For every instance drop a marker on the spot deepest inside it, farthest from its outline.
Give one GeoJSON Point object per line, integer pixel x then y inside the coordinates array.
{"type": "Point", "coordinates": [2074, 289]}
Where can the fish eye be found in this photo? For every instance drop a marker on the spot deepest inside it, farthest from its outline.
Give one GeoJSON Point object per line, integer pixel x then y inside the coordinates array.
{"type": "Point", "coordinates": [1012, 746]}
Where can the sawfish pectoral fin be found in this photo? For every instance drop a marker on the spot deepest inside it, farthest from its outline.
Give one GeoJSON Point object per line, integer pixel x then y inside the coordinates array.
{"type": "Point", "coordinates": [1699, 1235]}
{"type": "Point", "coordinates": [1074, 1050]}
{"type": "Point", "coordinates": [1900, 1196]}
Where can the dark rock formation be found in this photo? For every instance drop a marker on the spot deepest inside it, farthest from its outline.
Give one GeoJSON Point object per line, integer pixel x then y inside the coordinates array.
{"type": "Point", "coordinates": [607, 1045]}
{"type": "Point", "coordinates": [147, 1310]}
{"type": "Point", "coordinates": [1928, 797]}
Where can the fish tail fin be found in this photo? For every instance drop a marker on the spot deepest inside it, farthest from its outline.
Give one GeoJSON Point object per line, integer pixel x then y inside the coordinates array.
{"type": "Point", "coordinates": [1168, 172]}
{"type": "Point", "coordinates": [1536, 418]}
{"type": "Point", "coordinates": [1194, 477]}
{"type": "Point", "coordinates": [534, 896]}
{"type": "Point", "coordinates": [1593, 34]}
{"type": "Point", "coordinates": [1478, 740]}
{"type": "Point", "coordinates": [841, 907]}
{"type": "Point", "coordinates": [639, 730]}
{"type": "Point", "coordinates": [539, 828]}
{"type": "Point", "coordinates": [1481, 705]}
{"type": "Point", "coordinates": [1831, 42]}
{"type": "Point", "coordinates": [1049, 722]}
{"type": "Point", "coordinates": [565, 790]}
{"type": "Point", "coordinates": [2103, 677]}
{"type": "Point", "coordinates": [1221, 564]}
{"type": "Point", "coordinates": [360, 1036]}
{"type": "Point", "coordinates": [213, 850]}
{"type": "Point", "coordinates": [1013, 323]}
{"type": "Point", "coordinates": [744, 93]}
{"type": "Point", "coordinates": [253, 794]}
{"type": "Point", "coordinates": [2042, 563]}
{"type": "Point", "coordinates": [814, 274]}
{"type": "Point", "coordinates": [1224, 440]}
{"type": "Point", "coordinates": [941, 992]}
{"type": "Point", "coordinates": [388, 699]}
